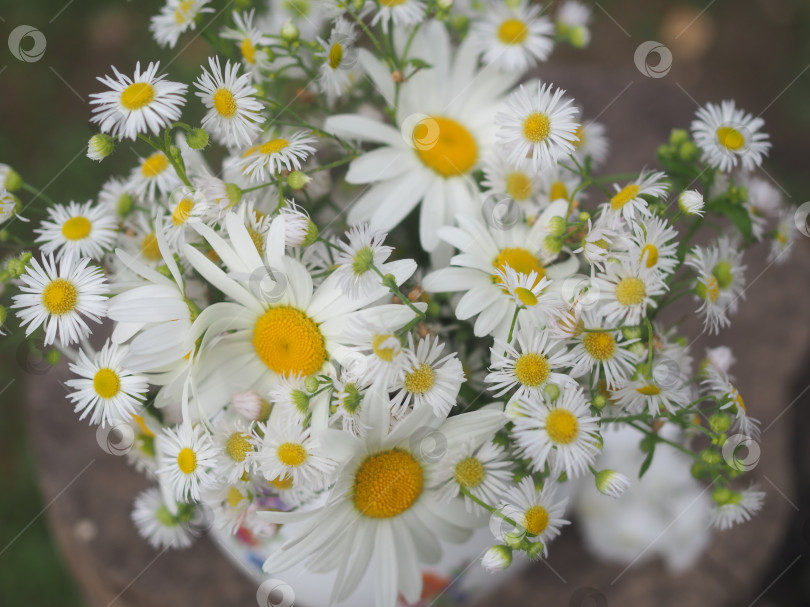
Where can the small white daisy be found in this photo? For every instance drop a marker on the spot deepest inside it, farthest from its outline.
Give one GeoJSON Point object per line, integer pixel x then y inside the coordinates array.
{"type": "Point", "coordinates": [572, 22]}
{"type": "Point", "coordinates": [611, 483]}
{"type": "Point", "coordinates": [654, 392]}
{"type": "Point", "coordinates": [654, 243]}
{"type": "Point", "coordinates": [154, 175]}
{"type": "Point", "coordinates": [719, 383]}
{"type": "Point", "coordinates": [8, 205]}
{"type": "Point", "coordinates": [401, 13]}
{"type": "Point", "coordinates": [626, 290]}
{"type": "Point", "coordinates": [290, 397]}
{"type": "Point", "coordinates": [728, 136]}
{"type": "Point", "coordinates": [157, 525]}
{"type": "Point", "coordinates": [531, 293]}
{"type": "Point", "coordinates": [627, 201]}
{"type": "Point", "coordinates": [60, 299]}
{"type": "Point", "coordinates": [231, 504]}
{"type": "Point", "coordinates": [299, 229]}
{"type": "Point", "coordinates": [538, 124]}
{"type": "Point", "coordinates": [105, 390]}
{"type": "Point", "coordinates": [591, 143]}
{"type": "Point", "coordinates": [233, 116]}
{"type": "Point", "coordinates": [733, 507]}
{"type": "Point", "coordinates": [347, 400]}
{"type": "Point", "coordinates": [598, 242]}
{"type": "Point", "coordinates": [84, 229]}
{"type": "Point", "coordinates": [262, 161]}
{"type": "Point", "coordinates": [784, 237]}
{"type": "Point", "coordinates": [338, 57]}
{"type": "Point", "coordinates": [485, 472]}
{"type": "Point", "coordinates": [187, 459]}
{"type": "Point", "coordinates": [538, 513]}
{"type": "Point", "coordinates": [234, 440]}
{"type": "Point", "coordinates": [598, 349]}
{"type": "Point", "coordinates": [145, 103]}
{"type": "Point", "coordinates": [251, 43]}
{"type": "Point", "coordinates": [516, 180]}
{"type": "Point", "coordinates": [720, 281]}
{"type": "Point", "coordinates": [562, 433]}
{"type": "Point", "coordinates": [117, 196]}
{"type": "Point", "coordinates": [175, 18]}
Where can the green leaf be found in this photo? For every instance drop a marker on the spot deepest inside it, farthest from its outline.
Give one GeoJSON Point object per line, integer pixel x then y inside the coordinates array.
{"type": "Point", "coordinates": [737, 214]}
{"type": "Point", "coordinates": [646, 463]}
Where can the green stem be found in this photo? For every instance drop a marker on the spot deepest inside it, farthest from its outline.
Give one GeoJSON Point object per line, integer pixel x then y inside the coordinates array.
{"type": "Point", "coordinates": [37, 193]}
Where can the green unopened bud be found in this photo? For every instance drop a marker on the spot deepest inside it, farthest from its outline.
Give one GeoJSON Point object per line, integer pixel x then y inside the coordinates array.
{"type": "Point", "coordinates": [552, 244]}
{"type": "Point", "coordinates": [301, 401]}
{"type": "Point", "coordinates": [552, 392]}
{"type": "Point", "coordinates": [557, 225]}
{"type": "Point", "coordinates": [724, 495]}
{"type": "Point", "coordinates": [579, 36]}
{"type": "Point", "coordinates": [689, 151]}
{"type": "Point", "coordinates": [678, 137]}
{"type": "Point", "coordinates": [535, 550]}
{"type": "Point", "coordinates": [514, 539]}
{"type": "Point", "coordinates": [611, 483]}
{"type": "Point", "coordinates": [710, 457]}
{"type": "Point", "coordinates": [197, 139]}
{"type": "Point", "coordinates": [638, 349]}
{"type": "Point", "coordinates": [444, 5]}
{"type": "Point", "coordinates": [13, 181]}
{"type": "Point", "coordinates": [311, 384]}
{"type": "Point", "coordinates": [15, 267]}
{"type": "Point", "coordinates": [312, 234]}
{"type": "Point", "coordinates": [100, 146]}
{"type": "Point", "coordinates": [584, 216]}
{"type": "Point", "coordinates": [234, 193]}
{"type": "Point", "coordinates": [52, 357]}
{"type": "Point", "coordinates": [722, 272]}
{"type": "Point", "coordinates": [600, 401]}
{"type": "Point", "coordinates": [175, 154]}
{"type": "Point", "coordinates": [3, 315]}
{"type": "Point", "coordinates": [631, 332]}
{"type": "Point", "coordinates": [699, 470]}
{"type": "Point", "coordinates": [719, 422]}
{"type": "Point", "coordinates": [289, 32]}
{"type": "Point", "coordinates": [125, 205]}
{"type": "Point", "coordinates": [298, 179]}
{"type": "Point", "coordinates": [497, 558]}
{"type": "Point", "coordinates": [358, 5]}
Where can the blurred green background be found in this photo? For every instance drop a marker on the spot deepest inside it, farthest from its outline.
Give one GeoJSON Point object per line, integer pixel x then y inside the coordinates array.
{"type": "Point", "coordinates": [757, 52]}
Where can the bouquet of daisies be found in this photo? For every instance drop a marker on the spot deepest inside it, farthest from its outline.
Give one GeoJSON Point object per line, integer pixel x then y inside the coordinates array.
{"type": "Point", "coordinates": [380, 291]}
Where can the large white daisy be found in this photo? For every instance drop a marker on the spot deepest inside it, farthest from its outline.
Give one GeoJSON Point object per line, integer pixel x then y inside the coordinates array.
{"type": "Point", "coordinates": [85, 229]}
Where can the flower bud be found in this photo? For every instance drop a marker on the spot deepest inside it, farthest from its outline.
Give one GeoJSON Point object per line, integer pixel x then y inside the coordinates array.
{"type": "Point", "coordinates": [124, 205]}
{"type": "Point", "coordinates": [557, 225]}
{"type": "Point", "coordinates": [197, 139]}
{"type": "Point", "coordinates": [234, 193]}
{"type": "Point", "coordinates": [691, 202]}
{"type": "Point", "coordinates": [611, 483]}
{"type": "Point", "coordinates": [10, 179]}
{"type": "Point", "coordinates": [311, 384]}
{"type": "Point", "coordinates": [497, 558]}
{"type": "Point", "coordinates": [536, 550]}
{"type": "Point", "coordinates": [552, 244]}
{"type": "Point", "coordinates": [289, 32]}
{"type": "Point", "coordinates": [298, 179]}
{"type": "Point", "coordinates": [251, 406]}
{"type": "Point", "coordinates": [100, 146]}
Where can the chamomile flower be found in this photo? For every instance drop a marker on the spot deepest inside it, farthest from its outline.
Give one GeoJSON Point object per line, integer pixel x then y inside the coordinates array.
{"type": "Point", "coordinates": [428, 381]}
{"type": "Point", "coordinates": [145, 103]}
{"type": "Point", "coordinates": [530, 293]}
{"type": "Point", "coordinates": [627, 201]}
{"type": "Point", "coordinates": [290, 397]}
{"type": "Point", "coordinates": [154, 175]}
{"type": "Point", "coordinates": [539, 513]}
{"type": "Point", "coordinates": [187, 459]}
{"type": "Point", "coordinates": [233, 115]}
{"type": "Point", "coordinates": [728, 136]}
{"type": "Point", "coordinates": [784, 237]}
{"type": "Point", "coordinates": [263, 160]}
{"type": "Point", "coordinates": [528, 366]}
{"type": "Point", "coordinates": [8, 205]}
{"type": "Point", "coordinates": [598, 349]}
{"type": "Point", "coordinates": [105, 389]}
{"type": "Point", "coordinates": [402, 13]}
{"type": "Point", "coordinates": [513, 37]}
{"type": "Point", "coordinates": [338, 57]}
{"type": "Point", "coordinates": [719, 384]}
{"type": "Point", "coordinates": [562, 433]}
{"type": "Point", "coordinates": [538, 124]}
{"type": "Point", "coordinates": [626, 290]}
{"type": "Point", "coordinates": [347, 399]}
{"type": "Point", "coordinates": [484, 471]}
{"type": "Point", "coordinates": [116, 196]}
{"type": "Point", "coordinates": [83, 229]}
{"type": "Point", "coordinates": [251, 42]}
{"type": "Point", "coordinates": [60, 299]}
{"type": "Point", "coordinates": [175, 18]}
{"type": "Point", "coordinates": [572, 22]}
{"type": "Point", "coordinates": [735, 507]}
{"type": "Point", "coordinates": [598, 242]}
{"type": "Point", "coordinates": [654, 244]}
{"type": "Point", "coordinates": [232, 504]}
{"type": "Point", "coordinates": [655, 392]}
{"type": "Point", "coordinates": [516, 180]}
{"type": "Point", "coordinates": [234, 441]}
{"type": "Point", "coordinates": [591, 143]}
{"type": "Point", "coordinates": [158, 525]}
{"type": "Point", "coordinates": [720, 281]}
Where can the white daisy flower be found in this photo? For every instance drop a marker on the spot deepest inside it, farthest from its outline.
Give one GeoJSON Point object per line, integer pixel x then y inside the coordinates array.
{"type": "Point", "coordinates": [251, 406]}
{"type": "Point", "coordinates": [262, 161]}
{"type": "Point", "coordinates": [376, 351]}
{"type": "Point", "coordinates": [721, 358]}
{"type": "Point", "coordinates": [598, 349]}
{"type": "Point", "coordinates": [143, 104]}
{"type": "Point", "coordinates": [9, 204]}
{"type": "Point", "coordinates": [762, 195]}
{"type": "Point", "coordinates": [719, 383]}
{"type": "Point", "coordinates": [484, 471]}
{"type": "Point", "coordinates": [9, 178]}
{"type": "Point", "coordinates": [60, 299]}
{"type": "Point", "coordinates": [627, 201]}
{"type": "Point", "coordinates": [538, 124]}
{"type": "Point", "coordinates": [290, 397]}
{"type": "Point", "coordinates": [428, 381]}
{"type": "Point", "coordinates": [655, 392]}
{"type": "Point", "coordinates": [299, 229]}
{"type": "Point", "coordinates": [232, 504]}
{"type": "Point", "coordinates": [154, 175]}
{"type": "Point", "coordinates": [234, 114]}
{"type": "Point", "coordinates": [572, 22]}
{"type": "Point", "coordinates": [251, 41]}
{"type": "Point", "coordinates": [598, 242]}
{"type": "Point", "coordinates": [728, 136]}
{"type": "Point", "coordinates": [530, 293]}
{"type": "Point", "coordinates": [784, 237]}
{"type": "Point", "coordinates": [513, 37]}
{"type": "Point", "coordinates": [157, 525]}
{"type": "Point", "coordinates": [368, 518]}
{"type": "Point", "coordinates": [538, 513]}
{"type": "Point", "coordinates": [187, 459]}
{"type": "Point", "coordinates": [402, 13]}
{"type": "Point", "coordinates": [720, 281]}
{"type": "Point", "coordinates": [626, 290]}
{"type": "Point", "coordinates": [175, 18]}
{"type": "Point", "coordinates": [116, 195]}
{"type": "Point", "coordinates": [591, 143]}
{"type": "Point", "coordinates": [83, 229]}
{"type": "Point", "coordinates": [233, 437]}
{"type": "Point", "coordinates": [347, 398]}
{"type": "Point", "coordinates": [105, 390]}
{"type": "Point", "coordinates": [516, 180]}
{"type": "Point", "coordinates": [338, 57]}
{"type": "Point", "coordinates": [733, 507]}
{"type": "Point", "coordinates": [562, 433]}
{"type": "Point", "coordinates": [496, 558]}
{"type": "Point", "coordinates": [611, 483]}
{"type": "Point", "coordinates": [654, 243]}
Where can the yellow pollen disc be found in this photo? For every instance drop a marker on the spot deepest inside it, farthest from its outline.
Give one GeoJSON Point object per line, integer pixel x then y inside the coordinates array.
{"type": "Point", "coordinates": [248, 51]}
{"type": "Point", "coordinates": [282, 483]}
{"type": "Point", "coordinates": [558, 191]}
{"type": "Point", "coordinates": [106, 383]}
{"type": "Point", "coordinates": [518, 186]}
{"type": "Point", "coordinates": [383, 352]}
{"type": "Point", "coordinates": [142, 426]}
{"type": "Point", "coordinates": [149, 247]}
{"type": "Point", "coordinates": [238, 446]}
{"type": "Point", "coordinates": [730, 138]}
{"type": "Point", "coordinates": [235, 497]}
{"type": "Point", "coordinates": [420, 380]}
{"type": "Point", "coordinates": [562, 426]}
{"type": "Point", "coordinates": [535, 520]}
{"type": "Point", "coordinates": [469, 472]}
{"type": "Point", "coordinates": [256, 238]}
{"type": "Point", "coordinates": [652, 254]}
{"type": "Point", "coordinates": [224, 103]}
{"type": "Point", "coordinates": [76, 228]}
{"type": "Point", "coordinates": [649, 390]}
{"type": "Point", "coordinates": [137, 95]}
{"type": "Point", "coordinates": [335, 55]}
{"type": "Point", "coordinates": [512, 31]}
{"type": "Point", "coordinates": [630, 291]}
{"type": "Point", "coordinates": [712, 289]}
{"type": "Point", "coordinates": [291, 454]}
{"type": "Point", "coordinates": [580, 134]}
{"type": "Point", "coordinates": [274, 146]}
{"type": "Point", "coordinates": [181, 13]}
{"type": "Point", "coordinates": [532, 369]}
{"type": "Point", "coordinates": [521, 261]}
{"type": "Point", "coordinates": [289, 342]}
{"type": "Point", "coordinates": [623, 196]}
{"type": "Point", "coordinates": [187, 460]}
{"type": "Point", "coordinates": [526, 297]}
{"type": "Point", "coordinates": [391, 2]}
{"type": "Point", "coordinates": [387, 484]}
{"type": "Point", "coordinates": [536, 127]}
{"type": "Point", "coordinates": [599, 345]}
{"type": "Point", "coordinates": [740, 403]}
{"type": "Point", "coordinates": [182, 211]}
{"type": "Point", "coordinates": [445, 146]}
{"type": "Point", "coordinates": [60, 297]}
{"type": "Point", "coordinates": [154, 165]}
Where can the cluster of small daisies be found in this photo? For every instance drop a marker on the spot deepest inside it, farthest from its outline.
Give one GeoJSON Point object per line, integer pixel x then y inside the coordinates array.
{"type": "Point", "coordinates": [273, 372]}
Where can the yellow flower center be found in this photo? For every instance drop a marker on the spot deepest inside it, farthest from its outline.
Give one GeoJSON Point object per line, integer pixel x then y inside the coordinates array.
{"type": "Point", "coordinates": [518, 186]}
{"type": "Point", "coordinates": [649, 390]}
{"type": "Point", "coordinates": [224, 103]}
{"type": "Point", "coordinates": [235, 497]}
{"type": "Point", "coordinates": [289, 342]}
{"type": "Point", "coordinates": [630, 291]}
{"type": "Point", "coordinates": [562, 426]}
{"type": "Point", "coordinates": [150, 248]}
{"type": "Point", "coordinates": [526, 297]}
{"type": "Point", "coordinates": [599, 345]}
{"type": "Point", "coordinates": [383, 348]}
{"type": "Point", "coordinates": [187, 460]}
{"type": "Point", "coordinates": [291, 454]}
{"type": "Point", "coordinates": [256, 238]}
{"type": "Point", "coordinates": [137, 95]}
{"type": "Point", "coordinates": [182, 211]}
{"type": "Point", "coordinates": [282, 483]}
{"type": "Point", "coordinates": [469, 472]}
{"type": "Point", "coordinates": [237, 446]}
{"type": "Point", "coordinates": [445, 146]}
{"type": "Point", "coordinates": [387, 483]}
{"type": "Point", "coordinates": [335, 55]}
{"type": "Point", "coordinates": [739, 400]}
{"type": "Point", "coordinates": [535, 520]}
{"type": "Point", "coordinates": [76, 228]}
{"type": "Point", "coordinates": [106, 383]}
{"type": "Point", "coordinates": [274, 146]}
{"type": "Point", "coordinates": [141, 422]}
{"type": "Point", "coordinates": [712, 289]}
{"type": "Point", "coordinates": [580, 134]}
{"type": "Point", "coordinates": [730, 138]}
{"type": "Point", "coordinates": [652, 254]}
{"type": "Point", "coordinates": [512, 31]}
{"type": "Point", "coordinates": [623, 196]}
{"type": "Point", "coordinates": [182, 13]}
{"type": "Point", "coordinates": [558, 191]}
{"type": "Point", "coordinates": [154, 165]}
{"type": "Point", "coordinates": [521, 261]}
{"type": "Point", "coordinates": [391, 2]}
{"type": "Point", "coordinates": [60, 297]}
{"type": "Point", "coordinates": [420, 380]}
{"type": "Point", "coordinates": [248, 51]}
{"type": "Point", "coordinates": [536, 127]}
{"type": "Point", "coordinates": [532, 369]}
